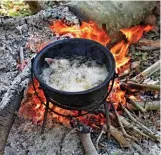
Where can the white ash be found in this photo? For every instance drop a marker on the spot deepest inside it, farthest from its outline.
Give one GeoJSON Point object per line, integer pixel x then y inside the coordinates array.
{"type": "Point", "coordinates": [74, 75]}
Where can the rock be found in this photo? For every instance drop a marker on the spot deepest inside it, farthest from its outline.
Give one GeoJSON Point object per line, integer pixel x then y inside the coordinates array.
{"type": "Point", "coordinates": [115, 14]}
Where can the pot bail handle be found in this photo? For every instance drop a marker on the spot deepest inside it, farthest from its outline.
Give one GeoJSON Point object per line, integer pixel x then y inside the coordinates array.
{"type": "Point", "coordinates": [115, 75]}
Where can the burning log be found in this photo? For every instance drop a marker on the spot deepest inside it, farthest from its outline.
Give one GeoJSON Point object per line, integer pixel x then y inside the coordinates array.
{"type": "Point", "coordinates": [132, 85]}
{"type": "Point", "coordinates": [7, 119]}
{"type": "Point", "coordinates": [147, 72]}
{"type": "Point", "coordinates": [85, 137]}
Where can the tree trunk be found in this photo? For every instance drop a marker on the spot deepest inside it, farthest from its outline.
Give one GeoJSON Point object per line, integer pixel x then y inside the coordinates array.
{"type": "Point", "coordinates": [115, 14]}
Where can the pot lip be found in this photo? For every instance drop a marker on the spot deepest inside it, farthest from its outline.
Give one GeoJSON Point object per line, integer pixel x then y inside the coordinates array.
{"type": "Point", "coordinates": [48, 88]}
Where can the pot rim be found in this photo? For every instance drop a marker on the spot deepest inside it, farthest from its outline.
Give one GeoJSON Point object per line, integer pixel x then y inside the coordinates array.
{"type": "Point", "coordinates": [48, 88]}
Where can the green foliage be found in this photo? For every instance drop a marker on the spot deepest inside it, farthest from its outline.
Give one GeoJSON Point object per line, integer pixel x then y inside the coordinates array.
{"type": "Point", "coordinates": [14, 8]}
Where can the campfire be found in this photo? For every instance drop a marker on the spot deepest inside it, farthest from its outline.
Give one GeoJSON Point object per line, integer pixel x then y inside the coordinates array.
{"type": "Point", "coordinates": [114, 106]}
{"type": "Point", "coordinates": [121, 96]}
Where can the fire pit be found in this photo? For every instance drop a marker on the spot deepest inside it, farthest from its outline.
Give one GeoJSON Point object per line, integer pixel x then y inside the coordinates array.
{"type": "Point", "coordinates": [82, 100]}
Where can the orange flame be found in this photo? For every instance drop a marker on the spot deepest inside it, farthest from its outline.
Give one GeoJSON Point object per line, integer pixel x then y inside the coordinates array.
{"type": "Point", "coordinates": [135, 33]}
{"type": "Point", "coordinates": [86, 30]}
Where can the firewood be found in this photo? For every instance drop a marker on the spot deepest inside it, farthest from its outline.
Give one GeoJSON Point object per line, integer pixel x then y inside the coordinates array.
{"type": "Point", "coordinates": [131, 127]}
{"type": "Point", "coordinates": [85, 137]}
{"type": "Point", "coordinates": [153, 43]}
{"type": "Point", "coordinates": [147, 72]}
{"type": "Point", "coordinates": [147, 105]}
{"type": "Point", "coordinates": [135, 104]}
{"type": "Point", "coordinates": [7, 118]}
{"type": "Point", "coordinates": [121, 125]}
{"type": "Point", "coordinates": [16, 86]}
{"type": "Point", "coordinates": [119, 137]}
{"type": "Point", "coordinates": [141, 126]}
{"type": "Point", "coordinates": [100, 135]}
{"type": "Point", "coordinates": [132, 85]}
{"type": "Point", "coordinates": [148, 48]}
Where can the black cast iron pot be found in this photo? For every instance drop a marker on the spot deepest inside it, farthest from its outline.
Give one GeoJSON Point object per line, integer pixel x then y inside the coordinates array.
{"type": "Point", "coordinates": [82, 100]}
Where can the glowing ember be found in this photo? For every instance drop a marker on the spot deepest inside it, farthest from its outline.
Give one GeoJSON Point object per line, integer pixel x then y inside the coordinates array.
{"type": "Point", "coordinates": [33, 109]}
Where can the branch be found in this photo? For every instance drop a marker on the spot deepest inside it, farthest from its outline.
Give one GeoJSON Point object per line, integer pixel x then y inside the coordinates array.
{"type": "Point", "coordinates": [135, 104]}
{"type": "Point", "coordinates": [154, 43]}
{"type": "Point", "coordinates": [119, 137]}
{"type": "Point", "coordinates": [7, 119]}
{"type": "Point", "coordinates": [132, 85]}
{"type": "Point", "coordinates": [141, 126]}
{"type": "Point", "coordinates": [148, 72]}
{"type": "Point", "coordinates": [121, 125]}
{"type": "Point", "coordinates": [85, 137]}
{"type": "Point", "coordinates": [131, 127]}
{"type": "Point", "coordinates": [147, 105]}
{"type": "Point", "coordinates": [16, 86]}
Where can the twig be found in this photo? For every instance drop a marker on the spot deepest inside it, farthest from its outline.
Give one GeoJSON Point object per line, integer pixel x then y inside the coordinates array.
{"type": "Point", "coordinates": [121, 125]}
{"type": "Point", "coordinates": [99, 137]}
{"type": "Point", "coordinates": [131, 127]}
{"type": "Point", "coordinates": [147, 72]}
{"type": "Point", "coordinates": [141, 126]}
{"type": "Point", "coordinates": [135, 104]}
